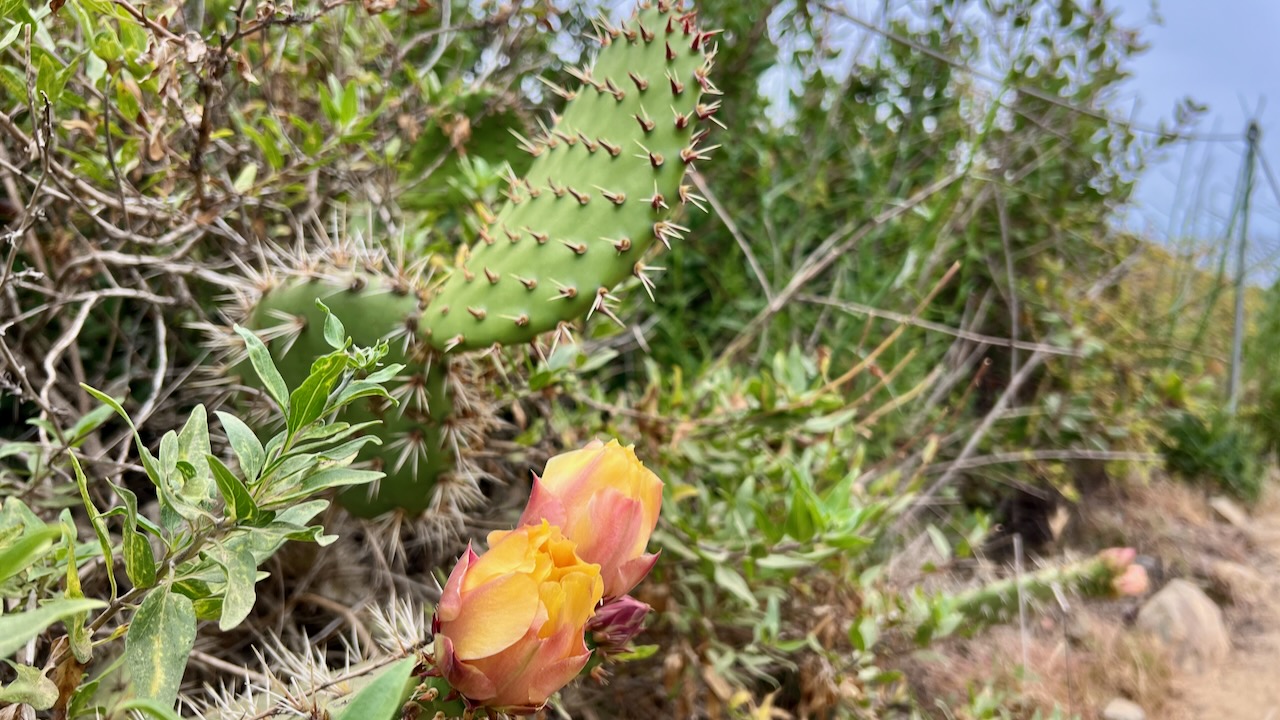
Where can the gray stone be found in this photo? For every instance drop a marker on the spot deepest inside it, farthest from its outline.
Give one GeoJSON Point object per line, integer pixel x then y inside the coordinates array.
{"type": "Point", "coordinates": [1240, 584]}
{"type": "Point", "coordinates": [1188, 624]}
{"type": "Point", "coordinates": [1121, 709]}
{"type": "Point", "coordinates": [1232, 513]}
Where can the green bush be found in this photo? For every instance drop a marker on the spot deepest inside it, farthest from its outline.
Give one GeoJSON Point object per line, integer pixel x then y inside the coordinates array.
{"type": "Point", "coordinates": [1219, 448]}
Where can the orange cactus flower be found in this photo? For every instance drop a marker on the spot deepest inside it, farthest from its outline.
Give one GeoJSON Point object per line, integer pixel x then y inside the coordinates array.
{"type": "Point", "coordinates": [509, 628]}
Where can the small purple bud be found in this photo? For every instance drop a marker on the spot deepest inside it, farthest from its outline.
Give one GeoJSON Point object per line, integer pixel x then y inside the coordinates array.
{"type": "Point", "coordinates": [617, 623]}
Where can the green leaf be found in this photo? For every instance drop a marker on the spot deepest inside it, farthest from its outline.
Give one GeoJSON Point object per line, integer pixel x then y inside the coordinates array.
{"type": "Point", "coordinates": [267, 145]}
{"type": "Point", "coordinates": [148, 462]}
{"type": "Point", "coordinates": [260, 358]}
{"type": "Point", "coordinates": [783, 562]}
{"type": "Point", "coordinates": [91, 421]}
{"type": "Point", "coordinates": [350, 107]}
{"type": "Point", "coordinates": [242, 575]}
{"type": "Point", "coordinates": [12, 82]}
{"type": "Point", "coordinates": [31, 687]}
{"type": "Point", "coordinates": [77, 633]}
{"type": "Point", "coordinates": [17, 629]}
{"type": "Point", "coordinates": [331, 478]}
{"type": "Point", "coordinates": [244, 181]}
{"type": "Point", "coordinates": [308, 402]}
{"type": "Point", "coordinates": [729, 579]}
{"type": "Point", "coordinates": [95, 519]}
{"type": "Point", "coordinates": [240, 505]}
{"type": "Point", "coordinates": [107, 46]}
{"type": "Point", "coordinates": [940, 542]}
{"type": "Point", "coordinates": [159, 640]}
{"type": "Point", "coordinates": [193, 447]}
{"type": "Point", "coordinates": [865, 633]}
{"type": "Point", "coordinates": [10, 36]}
{"type": "Point", "coordinates": [383, 698]}
{"type": "Point", "coordinates": [360, 389]}
{"type": "Point", "coordinates": [334, 332]}
{"type": "Point", "coordinates": [245, 444]}
{"type": "Point", "coordinates": [23, 554]}
{"type": "Point", "coordinates": [152, 709]}
{"type": "Point", "coordinates": [139, 559]}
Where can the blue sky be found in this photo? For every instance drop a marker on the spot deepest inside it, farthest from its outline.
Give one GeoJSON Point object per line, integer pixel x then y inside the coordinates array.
{"type": "Point", "coordinates": [1225, 54]}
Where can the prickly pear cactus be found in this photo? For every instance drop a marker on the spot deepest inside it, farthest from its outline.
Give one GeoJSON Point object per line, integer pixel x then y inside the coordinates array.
{"type": "Point", "coordinates": [413, 449]}
{"type": "Point", "coordinates": [604, 188]}
{"type": "Point", "coordinates": [605, 184]}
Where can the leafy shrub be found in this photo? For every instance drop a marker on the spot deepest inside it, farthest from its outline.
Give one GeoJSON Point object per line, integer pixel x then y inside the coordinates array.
{"type": "Point", "coordinates": [1219, 449]}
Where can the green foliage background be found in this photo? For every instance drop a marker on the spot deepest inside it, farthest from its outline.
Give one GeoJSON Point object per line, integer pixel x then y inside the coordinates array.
{"type": "Point", "coordinates": [908, 293]}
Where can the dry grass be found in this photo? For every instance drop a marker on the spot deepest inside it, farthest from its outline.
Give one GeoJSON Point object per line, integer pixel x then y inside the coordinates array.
{"type": "Point", "coordinates": [1080, 660]}
{"type": "Point", "coordinates": [1078, 664]}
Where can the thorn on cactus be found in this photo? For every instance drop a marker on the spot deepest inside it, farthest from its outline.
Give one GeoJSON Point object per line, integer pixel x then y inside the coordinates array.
{"type": "Point", "coordinates": [492, 276]}
{"type": "Point", "coordinates": [413, 447]}
{"type": "Point", "coordinates": [614, 150]}
{"type": "Point", "coordinates": [645, 122]}
{"type": "Point", "coordinates": [688, 197]}
{"type": "Point", "coordinates": [677, 87]}
{"type": "Point", "coordinates": [614, 90]}
{"type": "Point", "coordinates": [539, 237]}
{"type": "Point", "coordinates": [512, 235]}
{"type": "Point", "coordinates": [566, 292]}
{"type": "Point", "coordinates": [477, 313]}
{"type": "Point", "coordinates": [529, 283]}
{"type": "Point", "coordinates": [666, 231]}
{"type": "Point", "coordinates": [645, 280]}
{"type": "Point", "coordinates": [640, 83]}
{"type": "Point", "coordinates": [671, 53]}
{"type": "Point", "coordinates": [577, 248]}
{"type": "Point", "coordinates": [682, 119]}
{"type": "Point", "coordinates": [588, 143]}
{"type": "Point", "coordinates": [616, 198]}
{"type": "Point", "coordinates": [621, 244]}
{"type": "Point", "coordinates": [581, 197]}
{"type": "Point", "coordinates": [601, 305]}
{"type": "Point", "coordinates": [658, 202]}
{"type": "Point", "coordinates": [645, 33]}
{"type": "Point", "coordinates": [691, 154]}
{"type": "Point", "coordinates": [563, 92]}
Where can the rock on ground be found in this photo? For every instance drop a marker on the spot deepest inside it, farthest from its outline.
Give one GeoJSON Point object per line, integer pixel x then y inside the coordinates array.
{"type": "Point", "coordinates": [1189, 624]}
{"type": "Point", "coordinates": [1121, 709]}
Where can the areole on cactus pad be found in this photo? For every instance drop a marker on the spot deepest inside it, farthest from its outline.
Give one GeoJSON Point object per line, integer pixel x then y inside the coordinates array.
{"type": "Point", "coordinates": [605, 186]}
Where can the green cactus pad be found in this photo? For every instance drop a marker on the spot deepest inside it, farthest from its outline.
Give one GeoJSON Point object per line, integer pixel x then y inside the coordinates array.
{"type": "Point", "coordinates": [413, 453]}
{"type": "Point", "coordinates": [602, 190]}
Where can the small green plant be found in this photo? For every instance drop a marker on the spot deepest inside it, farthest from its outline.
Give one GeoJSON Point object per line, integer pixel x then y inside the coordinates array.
{"type": "Point", "coordinates": [218, 523]}
{"type": "Point", "coordinates": [1217, 449]}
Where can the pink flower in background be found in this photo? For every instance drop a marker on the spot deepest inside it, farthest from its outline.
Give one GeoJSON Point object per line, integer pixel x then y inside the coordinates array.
{"type": "Point", "coordinates": [605, 500]}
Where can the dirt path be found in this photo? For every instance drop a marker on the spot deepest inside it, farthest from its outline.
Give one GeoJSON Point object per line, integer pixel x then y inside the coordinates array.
{"type": "Point", "coordinates": [1247, 685]}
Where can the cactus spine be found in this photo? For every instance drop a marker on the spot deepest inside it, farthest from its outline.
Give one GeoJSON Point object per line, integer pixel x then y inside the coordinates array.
{"type": "Point", "coordinates": [604, 188]}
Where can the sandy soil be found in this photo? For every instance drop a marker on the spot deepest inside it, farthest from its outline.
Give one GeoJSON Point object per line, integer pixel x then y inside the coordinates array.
{"type": "Point", "coordinates": [1247, 685]}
